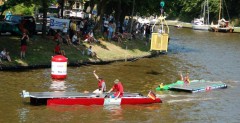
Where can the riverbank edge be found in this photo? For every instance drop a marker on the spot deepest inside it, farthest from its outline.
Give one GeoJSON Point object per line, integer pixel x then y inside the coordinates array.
{"type": "Point", "coordinates": [76, 64]}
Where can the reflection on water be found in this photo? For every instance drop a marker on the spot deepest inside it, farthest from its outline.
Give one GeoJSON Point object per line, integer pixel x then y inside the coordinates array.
{"type": "Point", "coordinates": [115, 111]}
{"type": "Point", "coordinates": [205, 55]}
{"type": "Point", "coordinates": [58, 85]}
{"type": "Point", "coordinates": [23, 112]}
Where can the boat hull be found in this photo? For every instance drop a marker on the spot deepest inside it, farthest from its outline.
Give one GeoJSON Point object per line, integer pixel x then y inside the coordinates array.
{"type": "Point", "coordinates": [76, 98]}
{"type": "Point", "coordinates": [200, 27]}
{"type": "Point", "coordinates": [221, 29]}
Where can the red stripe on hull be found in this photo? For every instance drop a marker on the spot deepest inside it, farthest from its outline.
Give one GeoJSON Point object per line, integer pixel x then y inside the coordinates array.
{"type": "Point", "coordinates": [99, 101]}
{"type": "Point", "coordinates": [134, 101]}
{"type": "Point", "coordinates": [75, 101]}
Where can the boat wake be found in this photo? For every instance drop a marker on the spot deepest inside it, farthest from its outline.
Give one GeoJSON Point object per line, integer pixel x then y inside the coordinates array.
{"type": "Point", "coordinates": [171, 98]}
{"type": "Point", "coordinates": [171, 95]}
{"type": "Point", "coordinates": [188, 100]}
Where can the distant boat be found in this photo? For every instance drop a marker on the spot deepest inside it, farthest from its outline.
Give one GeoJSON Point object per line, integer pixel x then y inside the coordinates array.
{"type": "Point", "coordinates": [202, 23]}
{"type": "Point", "coordinates": [179, 25]}
{"type": "Point", "coordinates": [223, 25]}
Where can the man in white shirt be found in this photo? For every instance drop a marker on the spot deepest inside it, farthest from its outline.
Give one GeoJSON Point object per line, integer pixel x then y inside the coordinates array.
{"type": "Point", "coordinates": [75, 39]}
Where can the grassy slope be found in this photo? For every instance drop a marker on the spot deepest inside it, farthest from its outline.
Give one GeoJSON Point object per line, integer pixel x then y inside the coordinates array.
{"type": "Point", "coordinates": [40, 51]}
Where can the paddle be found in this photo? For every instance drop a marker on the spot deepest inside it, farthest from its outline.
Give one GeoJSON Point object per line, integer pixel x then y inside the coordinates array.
{"type": "Point", "coordinates": [107, 95]}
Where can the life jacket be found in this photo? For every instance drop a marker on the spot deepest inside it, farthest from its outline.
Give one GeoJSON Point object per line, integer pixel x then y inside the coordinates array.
{"type": "Point", "coordinates": [161, 86]}
{"type": "Point", "coordinates": [100, 84]}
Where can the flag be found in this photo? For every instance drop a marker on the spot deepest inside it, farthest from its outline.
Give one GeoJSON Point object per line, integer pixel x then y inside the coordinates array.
{"type": "Point", "coordinates": [151, 95]}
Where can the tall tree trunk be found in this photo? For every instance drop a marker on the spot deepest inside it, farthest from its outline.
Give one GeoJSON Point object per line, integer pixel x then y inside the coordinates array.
{"type": "Point", "coordinates": [62, 7]}
{"type": "Point", "coordinates": [118, 11]}
{"type": "Point", "coordinates": [45, 9]}
{"type": "Point", "coordinates": [101, 10]}
{"type": "Point", "coordinates": [123, 14]}
{"type": "Point", "coordinates": [132, 16]}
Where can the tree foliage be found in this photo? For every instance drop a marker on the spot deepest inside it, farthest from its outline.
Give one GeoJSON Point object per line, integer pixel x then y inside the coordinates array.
{"type": "Point", "coordinates": [184, 10]}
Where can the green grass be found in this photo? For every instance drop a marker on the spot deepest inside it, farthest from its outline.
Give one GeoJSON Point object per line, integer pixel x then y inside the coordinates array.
{"type": "Point", "coordinates": [40, 51]}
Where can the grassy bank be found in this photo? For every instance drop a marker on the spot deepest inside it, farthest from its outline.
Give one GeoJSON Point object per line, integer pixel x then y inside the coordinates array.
{"type": "Point", "coordinates": [40, 51]}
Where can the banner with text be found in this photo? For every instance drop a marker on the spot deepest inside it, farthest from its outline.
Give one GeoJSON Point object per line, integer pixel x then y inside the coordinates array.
{"type": "Point", "coordinates": [57, 23]}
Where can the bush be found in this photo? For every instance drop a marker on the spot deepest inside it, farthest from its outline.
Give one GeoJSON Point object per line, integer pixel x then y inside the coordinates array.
{"type": "Point", "coordinates": [27, 11]}
{"type": "Point", "coordinates": [22, 10]}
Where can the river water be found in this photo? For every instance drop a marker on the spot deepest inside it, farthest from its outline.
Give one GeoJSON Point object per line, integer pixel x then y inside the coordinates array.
{"type": "Point", "coordinates": [205, 55]}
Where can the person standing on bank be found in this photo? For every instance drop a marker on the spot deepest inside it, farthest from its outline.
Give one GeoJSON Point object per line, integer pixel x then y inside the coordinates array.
{"type": "Point", "coordinates": [101, 84]}
{"type": "Point", "coordinates": [118, 87]}
{"type": "Point", "coordinates": [24, 40]}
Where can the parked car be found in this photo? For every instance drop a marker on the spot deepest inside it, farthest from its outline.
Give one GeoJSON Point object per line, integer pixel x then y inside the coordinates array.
{"type": "Point", "coordinates": [77, 13]}
{"type": "Point", "coordinates": [16, 23]}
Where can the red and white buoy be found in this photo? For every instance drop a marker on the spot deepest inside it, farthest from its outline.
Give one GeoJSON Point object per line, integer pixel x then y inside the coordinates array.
{"type": "Point", "coordinates": [59, 67]}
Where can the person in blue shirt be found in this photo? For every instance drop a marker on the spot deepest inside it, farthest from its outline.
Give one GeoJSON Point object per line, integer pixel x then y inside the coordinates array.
{"type": "Point", "coordinates": [110, 31]}
{"type": "Point", "coordinates": [8, 15]}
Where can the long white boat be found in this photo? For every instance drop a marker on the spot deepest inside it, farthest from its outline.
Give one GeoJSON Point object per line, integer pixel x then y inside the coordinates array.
{"type": "Point", "coordinates": [76, 98]}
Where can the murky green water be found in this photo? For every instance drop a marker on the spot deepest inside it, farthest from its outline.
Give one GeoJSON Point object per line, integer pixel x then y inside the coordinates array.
{"type": "Point", "coordinates": [206, 55]}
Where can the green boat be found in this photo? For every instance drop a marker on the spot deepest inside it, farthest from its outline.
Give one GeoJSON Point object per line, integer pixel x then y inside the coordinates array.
{"type": "Point", "coordinates": [193, 86]}
{"type": "Point", "coordinates": [162, 87]}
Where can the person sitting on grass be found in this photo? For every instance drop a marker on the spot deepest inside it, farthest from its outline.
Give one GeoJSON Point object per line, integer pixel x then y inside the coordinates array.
{"type": "Point", "coordinates": [91, 53]}
{"type": "Point", "coordinates": [90, 38]}
{"type": "Point", "coordinates": [117, 37]}
{"type": "Point", "coordinates": [57, 37]}
{"type": "Point", "coordinates": [75, 39]}
{"type": "Point", "coordinates": [58, 51]}
{"type": "Point", "coordinates": [67, 39]}
{"type": "Point", "coordinates": [5, 55]}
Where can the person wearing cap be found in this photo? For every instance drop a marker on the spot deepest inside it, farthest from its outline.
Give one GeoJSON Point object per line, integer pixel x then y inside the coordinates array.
{"type": "Point", "coordinates": [118, 87]}
{"type": "Point", "coordinates": [101, 84]}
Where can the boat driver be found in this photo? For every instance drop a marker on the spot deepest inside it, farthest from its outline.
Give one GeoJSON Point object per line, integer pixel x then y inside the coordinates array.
{"type": "Point", "coordinates": [118, 87]}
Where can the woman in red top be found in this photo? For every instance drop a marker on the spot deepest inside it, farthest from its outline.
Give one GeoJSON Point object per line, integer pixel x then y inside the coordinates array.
{"type": "Point", "coordinates": [118, 87]}
{"type": "Point", "coordinates": [101, 84]}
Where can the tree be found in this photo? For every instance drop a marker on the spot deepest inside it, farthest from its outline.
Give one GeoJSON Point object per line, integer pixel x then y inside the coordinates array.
{"type": "Point", "coordinates": [43, 3]}
{"type": "Point", "coordinates": [185, 10]}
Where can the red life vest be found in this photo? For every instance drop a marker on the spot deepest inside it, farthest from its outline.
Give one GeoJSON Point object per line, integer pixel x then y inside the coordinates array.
{"type": "Point", "coordinates": [100, 84]}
